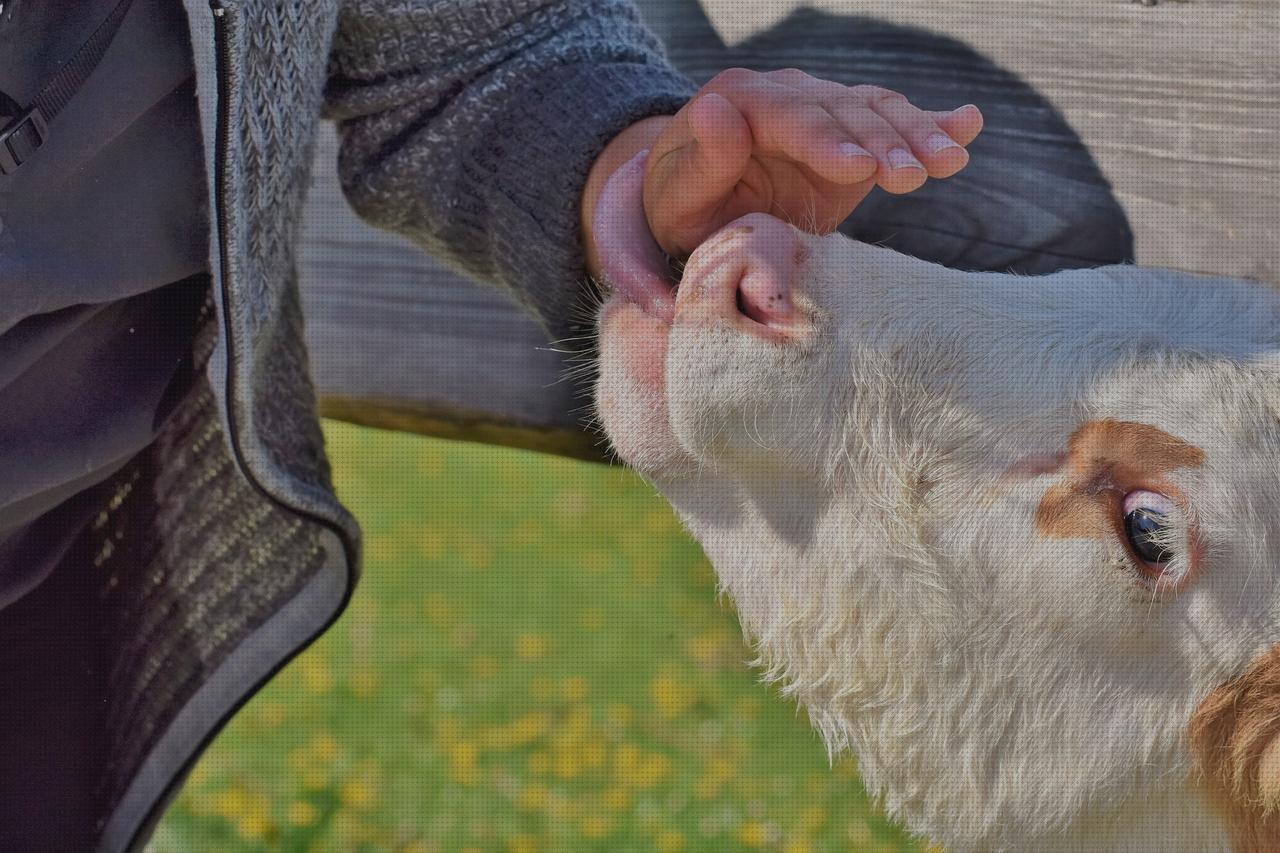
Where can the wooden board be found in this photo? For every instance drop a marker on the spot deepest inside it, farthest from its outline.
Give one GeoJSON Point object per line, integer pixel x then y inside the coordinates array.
{"type": "Point", "coordinates": [1176, 107]}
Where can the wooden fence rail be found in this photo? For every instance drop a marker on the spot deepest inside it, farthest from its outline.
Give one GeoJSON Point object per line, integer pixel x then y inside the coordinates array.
{"type": "Point", "coordinates": [1178, 105]}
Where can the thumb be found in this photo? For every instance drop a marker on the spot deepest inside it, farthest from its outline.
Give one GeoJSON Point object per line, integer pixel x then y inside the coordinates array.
{"type": "Point", "coordinates": [722, 143]}
{"type": "Point", "coordinates": [687, 184]}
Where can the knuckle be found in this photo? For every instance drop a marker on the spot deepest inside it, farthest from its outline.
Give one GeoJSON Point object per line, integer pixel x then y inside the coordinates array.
{"type": "Point", "coordinates": [788, 74]}
{"type": "Point", "coordinates": [867, 93]}
{"type": "Point", "coordinates": [876, 96]}
{"type": "Point", "coordinates": [733, 78]}
{"type": "Point", "coordinates": [849, 103]}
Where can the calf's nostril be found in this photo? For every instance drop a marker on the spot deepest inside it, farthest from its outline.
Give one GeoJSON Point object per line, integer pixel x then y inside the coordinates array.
{"type": "Point", "coordinates": [748, 271]}
{"type": "Point", "coordinates": [765, 290]}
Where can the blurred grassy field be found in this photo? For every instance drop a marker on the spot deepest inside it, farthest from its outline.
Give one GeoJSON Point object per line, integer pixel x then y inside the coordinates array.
{"type": "Point", "coordinates": [535, 660]}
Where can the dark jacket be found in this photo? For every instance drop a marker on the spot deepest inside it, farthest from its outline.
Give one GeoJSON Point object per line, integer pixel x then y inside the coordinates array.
{"type": "Point", "coordinates": [222, 550]}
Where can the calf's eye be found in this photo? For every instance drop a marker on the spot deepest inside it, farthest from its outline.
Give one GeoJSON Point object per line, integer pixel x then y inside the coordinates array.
{"type": "Point", "coordinates": [1148, 526]}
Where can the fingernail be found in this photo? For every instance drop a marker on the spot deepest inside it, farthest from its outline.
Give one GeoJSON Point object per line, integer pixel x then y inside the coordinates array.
{"type": "Point", "coordinates": [901, 158]}
{"type": "Point", "coordinates": [939, 141]}
{"type": "Point", "coordinates": [965, 107]}
{"type": "Point", "coordinates": [850, 149]}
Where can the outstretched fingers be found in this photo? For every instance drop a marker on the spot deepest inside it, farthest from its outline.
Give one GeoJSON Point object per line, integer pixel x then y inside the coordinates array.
{"type": "Point", "coordinates": [908, 143]}
{"type": "Point", "coordinates": [791, 124]}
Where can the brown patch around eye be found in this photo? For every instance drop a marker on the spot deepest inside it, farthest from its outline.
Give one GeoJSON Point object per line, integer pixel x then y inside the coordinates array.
{"type": "Point", "coordinates": [1234, 734]}
{"type": "Point", "coordinates": [1104, 459]}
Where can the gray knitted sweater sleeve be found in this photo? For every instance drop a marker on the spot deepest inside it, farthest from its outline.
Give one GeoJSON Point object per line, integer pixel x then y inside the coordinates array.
{"type": "Point", "coordinates": [469, 126]}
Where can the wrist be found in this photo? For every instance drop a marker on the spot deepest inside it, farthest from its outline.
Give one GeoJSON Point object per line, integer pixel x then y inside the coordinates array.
{"type": "Point", "coordinates": [617, 152]}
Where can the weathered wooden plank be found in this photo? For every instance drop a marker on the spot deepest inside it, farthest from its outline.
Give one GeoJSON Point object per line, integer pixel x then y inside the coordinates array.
{"type": "Point", "coordinates": [1179, 105]}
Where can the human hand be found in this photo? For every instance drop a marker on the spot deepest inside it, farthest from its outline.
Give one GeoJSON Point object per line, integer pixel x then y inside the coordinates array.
{"type": "Point", "coordinates": [802, 149]}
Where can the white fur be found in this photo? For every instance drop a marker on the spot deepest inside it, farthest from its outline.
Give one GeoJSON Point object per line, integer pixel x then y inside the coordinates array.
{"type": "Point", "coordinates": [1002, 690]}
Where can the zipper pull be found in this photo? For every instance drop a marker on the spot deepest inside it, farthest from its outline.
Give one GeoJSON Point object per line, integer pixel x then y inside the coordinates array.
{"type": "Point", "coordinates": [219, 9]}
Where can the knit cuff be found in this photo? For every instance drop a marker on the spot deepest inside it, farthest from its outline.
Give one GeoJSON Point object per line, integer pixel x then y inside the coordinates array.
{"type": "Point", "coordinates": [539, 157]}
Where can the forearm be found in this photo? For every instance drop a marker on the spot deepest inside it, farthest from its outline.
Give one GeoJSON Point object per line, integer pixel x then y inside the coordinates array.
{"type": "Point", "coordinates": [472, 129]}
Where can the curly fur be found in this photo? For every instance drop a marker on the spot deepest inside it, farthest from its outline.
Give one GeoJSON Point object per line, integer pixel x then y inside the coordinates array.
{"type": "Point", "coordinates": [869, 497]}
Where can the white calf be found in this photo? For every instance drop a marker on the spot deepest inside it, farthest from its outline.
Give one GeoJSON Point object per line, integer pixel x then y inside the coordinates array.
{"type": "Point", "coordinates": [1014, 542]}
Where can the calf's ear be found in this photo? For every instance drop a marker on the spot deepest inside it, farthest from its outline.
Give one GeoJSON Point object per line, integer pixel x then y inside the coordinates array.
{"type": "Point", "coordinates": [1235, 736]}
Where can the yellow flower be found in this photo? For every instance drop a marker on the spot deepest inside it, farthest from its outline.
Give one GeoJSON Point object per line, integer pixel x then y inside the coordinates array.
{"type": "Point", "coordinates": [719, 771]}
{"type": "Point", "coordinates": [568, 765]}
{"type": "Point", "coordinates": [529, 728]}
{"type": "Point", "coordinates": [570, 504]}
{"type": "Point", "coordinates": [671, 696]}
{"type": "Point", "coordinates": [316, 676]}
{"type": "Point", "coordinates": [324, 747]}
{"type": "Point", "coordinates": [540, 763]}
{"type": "Point", "coordinates": [448, 729]}
{"type": "Point", "coordinates": [798, 845]}
{"type": "Point", "coordinates": [574, 688]}
{"type": "Point", "coordinates": [253, 827]}
{"type": "Point", "coordinates": [708, 648]}
{"type": "Point", "coordinates": [531, 646]}
{"type": "Point", "coordinates": [845, 767]}
{"type": "Point", "coordinates": [522, 844]}
{"type": "Point", "coordinates": [561, 807]}
{"type": "Point", "coordinates": [618, 716]}
{"type": "Point", "coordinates": [431, 543]}
{"type": "Point", "coordinates": [669, 841]}
{"type": "Point", "coordinates": [462, 763]}
{"type": "Point", "coordinates": [812, 818]}
{"type": "Point", "coordinates": [358, 794]}
{"type": "Point", "coordinates": [200, 773]}
{"type": "Point", "coordinates": [382, 549]}
{"type": "Point", "coordinates": [231, 803]}
{"type": "Point", "coordinates": [420, 847]}
{"type": "Point", "coordinates": [653, 769]}
{"type": "Point", "coordinates": [363, 683]}
{"type": "Point", "coordinates": [521, 732]}
{"type": "Point", "coordinates": [753, 834]}
{"type": "Point", "coordinates": [594, 754]}
{"type": "Point", "coordinates": [660, 522]}
{"type": "Point", "coordinates": [271, 713]}
{"type": "Point", "coordinates": [463, 753]}
{"type": "Point", "coordinates": [438, 610]}
{"type": "Point", "coordinates": [526, 533]}
{"type": "Point", "coordinates": [532, 797]}
{"type": "Point", "coordinates": [859, 834]}
{"type": "Point", "coordinates": [626, 758]}
{"type": "Point", "coordinates": [644, 570]}
{"type": "Point", "coordinates": [301, 813]}
{"type": "Point", "coordinates": [596, 826]}
{"type": "Point", "coordinates": [484, 666]}
{"type": "Point", "coordinates": [578, 722]}
{"type": "Point", "coordinates": [616, 799]}
{"type": "Point", "coordinates": [429, 463]}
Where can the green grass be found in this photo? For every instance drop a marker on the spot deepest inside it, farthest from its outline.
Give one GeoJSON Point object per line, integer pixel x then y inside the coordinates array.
{"type": "Point", "coordinates": [535, 659]}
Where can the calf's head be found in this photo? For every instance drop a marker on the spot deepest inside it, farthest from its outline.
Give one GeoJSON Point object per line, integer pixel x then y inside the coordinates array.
{"type": "Point", "coordinates": [1013, 541]}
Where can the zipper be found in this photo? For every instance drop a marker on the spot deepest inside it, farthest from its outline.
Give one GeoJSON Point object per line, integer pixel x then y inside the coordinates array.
{"type": "Point", "coordinates": [223, 13]}
{"type": "Point", "coordinates": [222, 143]}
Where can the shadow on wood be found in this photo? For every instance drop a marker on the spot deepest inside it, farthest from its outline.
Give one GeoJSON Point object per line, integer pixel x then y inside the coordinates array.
{"type": "Point", "coordinates": [1169, 99]}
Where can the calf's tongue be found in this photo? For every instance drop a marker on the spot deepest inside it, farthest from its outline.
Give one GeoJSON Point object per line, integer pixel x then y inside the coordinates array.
{"type": "Point", "coordinates": [631, 261]}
